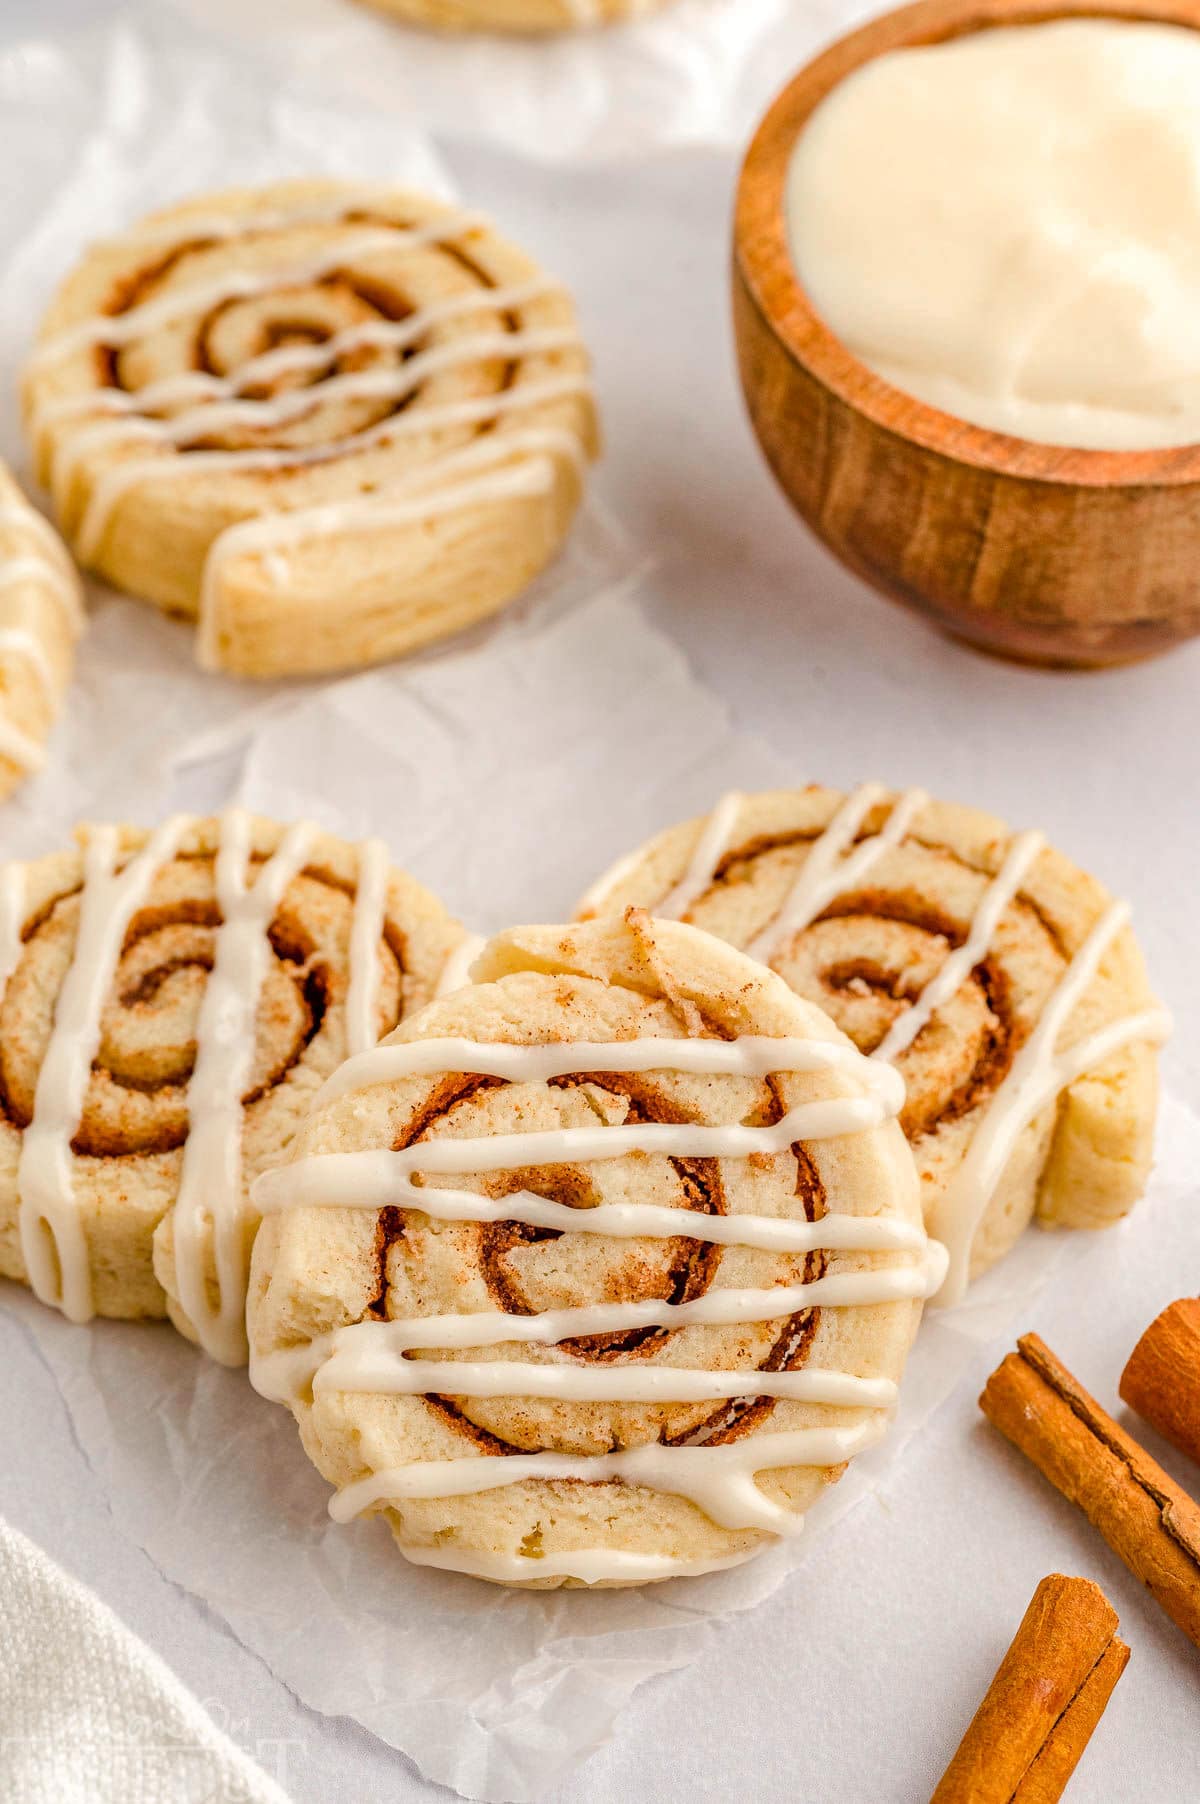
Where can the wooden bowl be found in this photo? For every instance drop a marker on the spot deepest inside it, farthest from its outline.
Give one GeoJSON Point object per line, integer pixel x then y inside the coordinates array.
{"type": "Point", "coordinates": [1049, 555]}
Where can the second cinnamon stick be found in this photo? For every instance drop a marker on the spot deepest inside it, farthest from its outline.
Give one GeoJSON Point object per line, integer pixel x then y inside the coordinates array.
{"type": "Point", "coordinates": [1162, 1379]}
{"type": "Point", "coordinates": [1146, 1518]}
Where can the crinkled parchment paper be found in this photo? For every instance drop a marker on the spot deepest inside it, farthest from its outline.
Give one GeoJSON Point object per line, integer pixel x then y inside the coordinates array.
{"type": "Point", "coordinates": [698, 72]}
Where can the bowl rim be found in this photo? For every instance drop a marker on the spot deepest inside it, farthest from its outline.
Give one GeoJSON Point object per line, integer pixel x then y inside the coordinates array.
{"type": "Point", "coordinates": [764, 261]}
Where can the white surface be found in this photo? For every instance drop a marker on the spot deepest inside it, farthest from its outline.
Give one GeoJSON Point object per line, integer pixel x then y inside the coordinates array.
{"type": "Point", "coordinates": [91, 1715]}
{"type": "Point", "coordinates": [1038, 293]}
{"type": "Point", "coordinates": [854, 1681]}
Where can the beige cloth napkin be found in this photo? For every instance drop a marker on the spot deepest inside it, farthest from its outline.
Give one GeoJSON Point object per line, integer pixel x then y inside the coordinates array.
{"type": "Point", "coordinates": [89, 1714]}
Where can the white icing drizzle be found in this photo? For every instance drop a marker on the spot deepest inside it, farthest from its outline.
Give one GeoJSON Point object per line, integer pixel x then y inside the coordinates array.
{"type": "Point", "coordinates": [115, 330]}
{"type": "Point", "coordinates": [830, 870]}
{"type": "Point", "coordinates": [955, 969]}
{"type": "Point", "coordinates": [115, 482]}
{"type": "Point", "coordinates": [211, 1184]}
{"type": "Point", "coordinates": [1039, 1073]}
{"type": "Point", "coordinates": [366, 931]}
{"type": "Point", "coordinates": [12, 920]}
{"type": "Point", "coordinates": [215, 416]}
{"type": "Point", "coordinates": [53, 1242]}
{"type": "Point", "coordinates": [719, 1480]}
{"type": "Point", "coordinates": [456, 972]}
{"type": "Point", "coordinates": [373, 1356]}
{"type": "Point", "coordinates": [17, 571]}
{"type": "Point", "coordinates": [753, 1055]}
{"type": "Point", "coordinates": [589, 1565]}
{"type": "Point", "coordinates": [710, 849]}
{"type": "Point", "coordinates": [294, 359]}
{"type": "Point", "coordinates": [534, 475]}
{"type": "Point", "coordinates": [22, 642]}
{"type": "Point", "coordinates": [20, 748]}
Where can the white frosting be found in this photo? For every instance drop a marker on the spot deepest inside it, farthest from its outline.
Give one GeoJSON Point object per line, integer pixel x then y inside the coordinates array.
{"type": "Point", "coordinates": [292, 359]}
{"type": "Point", "coordinates": [832, 868]}
{"type": "Point", "coordinates": [373, 1357]}
{"type": "Point", "coordinates": [115, 330]}
{"type": "Point", "coordinates": [15, 572]}
{"type": "Point", "coordinates": [23, 642]}
{"type": "Point", "coordinates": [53, 1242]}
{"type": "Point", "coordinates": [211, 1201]}
{"type": "Point", "coordinates": [1038, 1074]}
{"type": "Point", "coordinates": [958, 966]}
{"type": "Point", "coordinates": [210, 1209]}
{"type": "Point", "coordinates": [1007, 226]}
{"type": "Point", "coordinates": [718, 1480]}
{"type": "Point", "coordinates": [456, 972]}
{"type": "Point", "coordinates": [587, 1564]}
{"type": "Point", "coordinates": [526, 468]}
{"type": "Point", "coordinates": [20, 748]}
{"type": "Point", "coordinates": [366, 934]}
{"type": "Point", "coordinates": [12, 919]}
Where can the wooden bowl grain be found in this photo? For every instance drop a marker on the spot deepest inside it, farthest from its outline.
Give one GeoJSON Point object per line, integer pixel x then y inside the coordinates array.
{"type": "Point", "coordinates": [1043, 554]}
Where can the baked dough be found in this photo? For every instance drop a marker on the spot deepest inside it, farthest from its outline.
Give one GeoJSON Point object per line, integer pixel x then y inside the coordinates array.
{"type": "Point", "coordinates": [858, 901]}
{"type": "Point", "coordinates": [515, 15]}
{"type": "Point", "coordinates": [332, 423]}
{"type": "Point", "coordinates": [41, 618]}
{"type": "Point", "coordinates": [169, 1005]}
{"type": "Point", "coordinates": [339, 1294]}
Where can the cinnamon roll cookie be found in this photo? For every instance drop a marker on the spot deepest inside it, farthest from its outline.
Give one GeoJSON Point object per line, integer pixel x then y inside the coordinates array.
{"type": "Point", "coordinates": [41, 618]}
{"type": "Point", "coordinates": [169, 1005]}
{"type": "Point", "coordinates": [598, 1270]}
{"type": "Point", "coordinates": [330, 423]}
{"type": "Point", "coordinates": [515, 15]}
{"type": "Point", "coordinates": [1002, 982]}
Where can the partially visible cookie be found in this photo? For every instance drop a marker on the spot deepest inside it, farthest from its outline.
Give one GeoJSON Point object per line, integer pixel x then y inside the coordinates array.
{"type": "Point", "coordinates": [1001, 980]}
{"type": "Point", "coordinates": [170, 1003]}
{"type": "Point", "coordinates": [41, 618]}
{"type": "Point", "coordinates": [329, 421]}
{"type": "Point", "coordinates": [599, 1269]}
{"type": "Point", "coordinates": [515, 15]}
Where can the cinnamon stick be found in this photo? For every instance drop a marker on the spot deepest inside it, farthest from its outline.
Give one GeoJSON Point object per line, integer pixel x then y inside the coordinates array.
{"type": "Point", "coordinates": [1162, 1379]}
{"type": "Point", "coordinates": [1026, 1738]}
{"type": "Point", "coordinates": [1146, 1518]}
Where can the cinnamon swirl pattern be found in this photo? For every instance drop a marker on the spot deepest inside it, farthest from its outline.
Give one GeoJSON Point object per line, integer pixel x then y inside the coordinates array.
{"type": "Point", "coordinates": [169, 1005]}
{"type": "Point", "coordinates": [330, 423]}
{"type": "Point", "coordinates": [1002, 983]}
{"type": "Point", "coordinates": [41, 618]}
{"type": "Point", "coordinates": [597, 1270]}
{"type": "Point", "coordinates": [515, 15]}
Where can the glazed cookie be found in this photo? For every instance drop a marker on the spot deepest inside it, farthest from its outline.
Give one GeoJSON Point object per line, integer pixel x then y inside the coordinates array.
{"type": "Point", "coordinates": [515, 15]}
{"type": "Point", "coordinates": [169, 1005]}
{"type": "Point", "coordinates": [331, 423]}
{"type": "Point", "coordinates": [1001, 981]}
{"type": "Point", "coordinates": [41, 618]}
{"type": "Point", "coordinates": [643, 1219]}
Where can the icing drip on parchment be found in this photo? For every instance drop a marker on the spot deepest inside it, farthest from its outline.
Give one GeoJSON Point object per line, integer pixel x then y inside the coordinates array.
{"type": "Point", "coordinates": [112, 419]}
{"type": "Point", "coordinates": [837, 862]}
{"type": "Point", "coordinates": [210, 1210]}
{"type": "Point", "coordinates": [373, 1356]}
